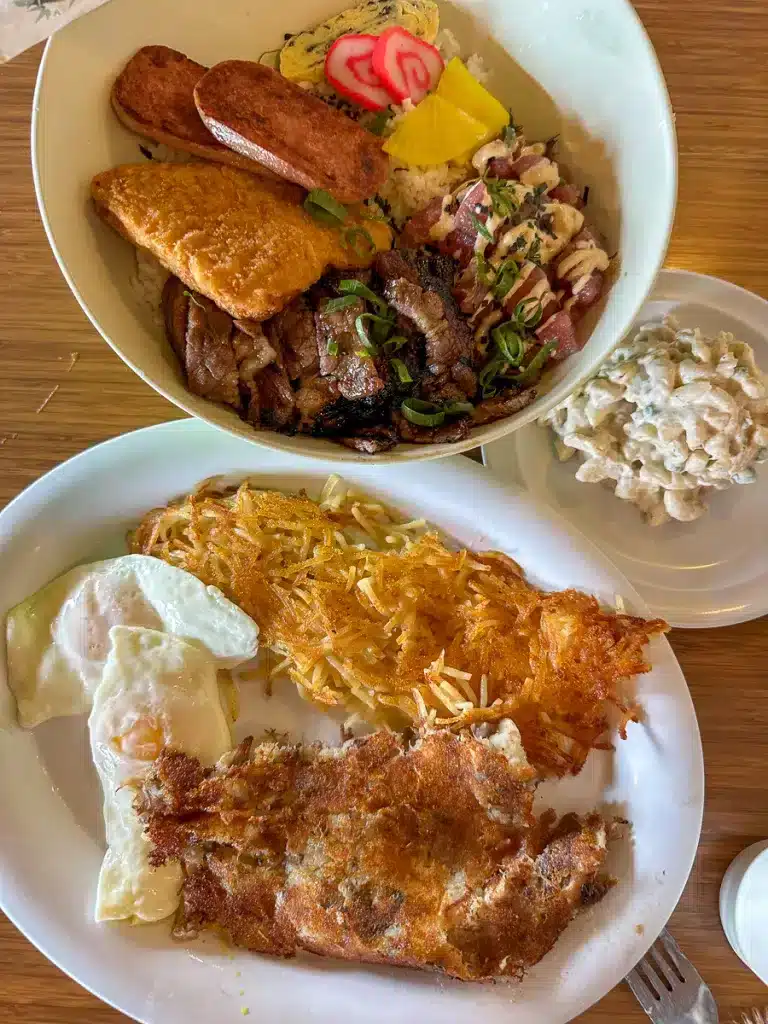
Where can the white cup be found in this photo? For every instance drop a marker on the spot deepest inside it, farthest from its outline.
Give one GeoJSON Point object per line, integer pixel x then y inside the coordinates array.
{"type": "Point", "coordinates": [744, 907]}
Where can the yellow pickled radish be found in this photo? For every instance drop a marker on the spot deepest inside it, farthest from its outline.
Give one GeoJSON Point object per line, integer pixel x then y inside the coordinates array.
{"type": "Point", "coordinates": [462, 89]}
{"type": "Point", "coordinates": [436, 132]}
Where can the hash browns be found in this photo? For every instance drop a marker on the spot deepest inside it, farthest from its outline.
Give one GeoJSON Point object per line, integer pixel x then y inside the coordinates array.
{"type": "Point", "coordinates": [425, 855]}
{"type": "Point", "coordinates": [379, 616]}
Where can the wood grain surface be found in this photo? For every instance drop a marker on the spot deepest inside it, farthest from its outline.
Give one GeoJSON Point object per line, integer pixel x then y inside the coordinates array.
{"type": "Point", "coordinates": [714, 58]}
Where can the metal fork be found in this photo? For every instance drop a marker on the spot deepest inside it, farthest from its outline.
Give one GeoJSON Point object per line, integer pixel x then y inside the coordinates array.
{"type": "Point", "coordinates": [669, 988]}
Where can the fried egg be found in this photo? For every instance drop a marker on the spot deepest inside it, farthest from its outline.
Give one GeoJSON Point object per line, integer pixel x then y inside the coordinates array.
{"type": "Point", "coordinates": [58, 639]}
{"type": "Point", "coordinates": [156, 690]}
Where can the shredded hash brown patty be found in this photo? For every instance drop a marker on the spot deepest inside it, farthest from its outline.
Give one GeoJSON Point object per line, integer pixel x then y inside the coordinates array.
{"type": "Point", "coordinates": [365, 611]}
{"type": "Point", "coordinates": [425, 855]}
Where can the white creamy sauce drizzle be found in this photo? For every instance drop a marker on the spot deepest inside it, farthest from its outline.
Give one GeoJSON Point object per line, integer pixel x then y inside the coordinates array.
{"type": "Point", "coordinates": [543, 173]}
{"type": "Point", "coordinates": [577, 267]}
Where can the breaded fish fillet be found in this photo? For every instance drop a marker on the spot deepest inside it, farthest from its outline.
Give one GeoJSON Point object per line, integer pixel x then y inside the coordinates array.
{"type": "Point", "coordinates": [244, 242]}
{"type": "Point", "coordinates": [422, 855]}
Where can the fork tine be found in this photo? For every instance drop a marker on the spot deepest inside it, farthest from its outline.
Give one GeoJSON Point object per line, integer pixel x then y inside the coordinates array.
{"type": "Point", "coordinates": [653, 961]}
{"type": "Point", "coordinates": [678, 958]}
{"type": "Point", "coordinates": [644, 994]}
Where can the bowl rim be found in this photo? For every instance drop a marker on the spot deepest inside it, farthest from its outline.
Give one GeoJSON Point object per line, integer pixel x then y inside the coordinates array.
{"type": "Point", "coordinates": [479, 436]}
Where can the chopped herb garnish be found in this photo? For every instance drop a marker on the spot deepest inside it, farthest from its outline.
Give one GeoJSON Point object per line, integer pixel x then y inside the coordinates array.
{"type": "Point", "coordinates": [534, 252]}
{"type": "Point", "coordinates": [509, 343]}
{"type": "Point", "coordinates": [378, 124]}
{"type": "Point", "coordinates": [351, 286]}
{"type": "Point", "coordinates": [423, 414]}
{"type": "Point", "coordinates": [322, 206]}
{"type": "Point", "coordinates": [401, 370]}
{"type": "Point", "coordinates": [395, 343]}
{"type": "Point", "coordinates": [481, 229]}
{"type": "Point", "coordinates": [381, 328]}
{"type": "Point", "coordinates": [528, 312]}
{"type": "Point", "coordinates": [504, 201]}
{"type": "Point", "coordinates": [512, 130]}
{"type": "Point", "coordinates": [507, 274]}
{"type": "Point", "coordinates": [360, 242]}
{"type": "Point", "coordinates": [457, 408]}
{"type": "Point", "coordinates": [192, 298]}
{"type": "Point", "coordinates": [343, 302]}
{"type": "Point", "coordinates": [546, 222]}
{"type": "Point", "coordinates": [536, 364]}
{"type": "Point", "coordinates": [332, 347]}
{"type": "Point", "coordinates": [146, 152]}
{"type": "Point", "coordinates": [489, 373]}
{"type": "Point", "coordinates": [519, 244]}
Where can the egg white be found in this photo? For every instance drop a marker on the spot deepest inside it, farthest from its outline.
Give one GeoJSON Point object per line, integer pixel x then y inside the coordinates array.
{"type": "Point", "coordinates": [58, 639]}
{"type": "Point", "coordinates": [156, 690]}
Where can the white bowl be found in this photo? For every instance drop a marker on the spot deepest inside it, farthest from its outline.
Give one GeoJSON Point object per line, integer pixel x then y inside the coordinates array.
{"type": "Point", "coordinates": [585, 71]}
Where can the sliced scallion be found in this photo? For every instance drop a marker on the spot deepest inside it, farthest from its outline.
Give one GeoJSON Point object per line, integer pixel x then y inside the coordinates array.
{"type": "Point", "coordinates": [395, 343]}
{"type": "Point", "coordinates": [536, 364]}
{"type": "Point", "coordinates": [528, 312]}
{"type": "Point", "coordinates": [457, 408]}
{"type": "Point", "coordinates": [343, 302]}
{"type": "Point", "coordinates": [509, 343]}
{"type": "Point", "coordinates": [480, 227]}
{"type": "Point", "coordinates": [322, 206]}
{"type": "Point", "coordinates": [332, 347]}
{"type": "Point", "coordinates": [401, 370]}
{"type": "Point", "coordinates": [422, 414]}
{"type": "Point", "coordinates": [378, 321]}
{"type": "Point", "coordinates": [351, 286]}
{"type": "Point", "coordinates": [360, 241]}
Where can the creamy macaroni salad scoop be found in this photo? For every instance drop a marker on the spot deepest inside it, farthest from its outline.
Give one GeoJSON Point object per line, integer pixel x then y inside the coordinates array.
{"type": "Point", "coordinates": [670, 415]}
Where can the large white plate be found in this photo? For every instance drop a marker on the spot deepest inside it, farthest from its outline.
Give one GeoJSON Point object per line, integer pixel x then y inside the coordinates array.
{"type": "Point", "coordinates": [712, 572]}
{"type": "Point", "coordinates": [585, 71]}
{"type": "Point", "coordinates": [50, 841]}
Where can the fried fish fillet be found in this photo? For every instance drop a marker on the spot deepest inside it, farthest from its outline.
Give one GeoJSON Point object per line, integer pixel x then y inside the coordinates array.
{"type": "Point", "coordinates": [154, 96]}
{"type": "Point", "coordinates": [423, 855]}
{"type": "Point", "coordinates": [244, 242]}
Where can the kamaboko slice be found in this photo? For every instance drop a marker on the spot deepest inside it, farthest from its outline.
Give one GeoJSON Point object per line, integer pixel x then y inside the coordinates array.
{"type": "Point", "coordinates": [408, 67]}
{"type": "Point", "coordinates": [349, 69]}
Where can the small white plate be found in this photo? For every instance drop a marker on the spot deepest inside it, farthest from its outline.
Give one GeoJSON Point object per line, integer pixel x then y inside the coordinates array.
{"type": "Point", "coordinates": [712, 572]}
{"type": "Point", "coordinates": [51, 841]}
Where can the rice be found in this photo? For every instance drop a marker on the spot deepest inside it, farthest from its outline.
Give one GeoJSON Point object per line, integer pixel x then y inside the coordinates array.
{"type": "Point", "coordinates": [147, 282]}
{"type": "Point", "coordinates": [408, 189]}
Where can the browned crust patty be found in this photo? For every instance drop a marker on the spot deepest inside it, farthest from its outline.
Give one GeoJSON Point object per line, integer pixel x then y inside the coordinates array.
{"type": "Point", "coordinates": [254, 110]}
{"type": "Point", "coordinates": [154, 97]}
{"type": "Point", "coordinates": [425, 855]}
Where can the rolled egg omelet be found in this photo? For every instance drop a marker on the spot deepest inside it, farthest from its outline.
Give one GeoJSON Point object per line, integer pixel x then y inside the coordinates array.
{"type": "Point", "coordinates": [156, 690]}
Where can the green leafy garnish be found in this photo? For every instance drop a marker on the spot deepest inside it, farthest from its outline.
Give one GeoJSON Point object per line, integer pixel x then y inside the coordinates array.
{"type": "Point", "coordinates": [503, 197]}
{"type": "Point", "coordinates": [536, 364]}
{"type": "Point", "coordinates": [534, 252]}
{"type": "Point", "coordinates": [401, 370]}
{"type": "Point", "coordinates": [323, 207]}
{"type": "Point", "coordinates": [528, 312]}
{"type": "Point", "coordinates": [509, 343]}
{"type": "Point", "coordinates": [381, 328]}
{"type": "Point", "coordinates": [506, 275]}
{"type": "Point", "coordinates": [352, 286]}
{"type": "Point", "coordinates": [481, 229]}
{"type": "Point", "coordinates": [378, 124]}
{"type": "Point", "coordinates": [489, 373]}
{"type": "Point", "coordinates": [423, 414]}
{"type": "Point", "coordinates": [332, 347]}
{"type": "Point", "coordinates": [395, 343]}
{"type": "Point", "coordinates": [192, 298]}
{"type": "Point", "coordinates": [457, 408]}
{"type": "Point", "coordinates": [511, 131]}
{"type": "Point", "coordinates": [343, 302]}
{"type": "Point", "coordinates": [351, 240]}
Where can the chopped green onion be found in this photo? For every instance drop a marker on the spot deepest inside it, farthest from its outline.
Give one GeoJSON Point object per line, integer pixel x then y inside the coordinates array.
{"type": "Point", "coordinates": [401, 370]}
{"type": "Point", "coordinates": [534, 253]}
{"type": "Point", "coordinates": [378, 322]}
{"type": "Point", "coordinates": [192, 298]}
{"type": "Point", "coordinates": [332, 347]}
{"type": "Point", "coordinates": [353, 287]}
{"type": "Point", "coordinates": [489, 373]}
{"type": "Point", "coordinates": [322, 206]}
{"type": "Point", "coordinates": [481, 229]}
{"type": "Point", "coordinates": [377, 125]}
{"type": "Point", "coordinates": [528, 312]}
{"type": "Point", "coordinates": [506, 275]}
{"type": "Point", "coordinates": [335, 305]}
{"type": "Point", "coordinates": [536, 364]}
{"type": "Point", "coordinates": [351, 236]}
{"type": "Point", "coordinates": [509, 343]}
{"type": "Point", "coordinates": [457, 408]}
{"type": "Point", "coordinates": [395, 343]}
{"type": "Point", "coordinates": [423, 414]}
{"type": "Point", "coordinates": [484, 270]}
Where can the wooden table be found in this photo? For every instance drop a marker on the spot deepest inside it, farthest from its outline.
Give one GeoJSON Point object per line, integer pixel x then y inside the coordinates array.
{"type": "Point", "coordinates": [714, 58]}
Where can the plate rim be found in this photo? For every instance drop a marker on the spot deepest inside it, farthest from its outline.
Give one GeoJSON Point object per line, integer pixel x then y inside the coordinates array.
{"type": "Point", "coordinates": [14, 515]}
{"type": "Point", "coordinates": [706, 619]}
